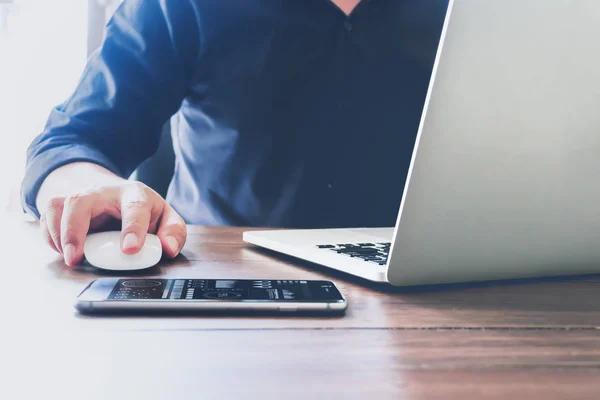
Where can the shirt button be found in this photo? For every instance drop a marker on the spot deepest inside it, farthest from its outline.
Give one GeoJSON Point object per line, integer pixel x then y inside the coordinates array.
{"type": "Point", "coordinates": [348, 25]}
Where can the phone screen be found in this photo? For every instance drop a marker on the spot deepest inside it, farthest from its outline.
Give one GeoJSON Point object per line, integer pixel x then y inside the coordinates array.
{"type": "Point", "coordinates": [225, 290]}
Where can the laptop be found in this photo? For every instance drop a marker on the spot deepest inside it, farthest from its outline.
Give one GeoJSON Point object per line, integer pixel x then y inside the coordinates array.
{"type": "Point", "coordinates": [504, 180]}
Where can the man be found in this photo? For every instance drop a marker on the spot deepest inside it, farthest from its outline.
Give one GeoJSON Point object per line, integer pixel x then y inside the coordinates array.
{"type": "Point", "coordinates": [289, 113]}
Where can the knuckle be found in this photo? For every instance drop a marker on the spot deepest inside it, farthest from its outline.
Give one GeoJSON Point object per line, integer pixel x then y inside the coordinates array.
{"type": "Point", "coordinates": [76, 199]}
{"type": "Point", "coordinates": [54, 204]}
{"type": "Point", "coordinates": [139, 185]}
{"type": "Point", "coordinates": [96, 188]}
{"type": "Point", "coordinates": [139, 188]}
{"type": "Point", "coordinates": [137, 192]}
{"type": "Point", "coordinates": [134, 225]}
{"type": "Point", "coordinates": [138, 204]}
{"type": "Point", "coordinates": [147, 192]}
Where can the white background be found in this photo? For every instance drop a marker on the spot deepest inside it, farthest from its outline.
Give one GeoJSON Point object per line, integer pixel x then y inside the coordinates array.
{"type": "Point", "coordinates": [43, 50]}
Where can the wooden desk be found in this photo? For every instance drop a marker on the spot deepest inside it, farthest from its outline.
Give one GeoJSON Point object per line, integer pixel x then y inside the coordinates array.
{"type": "Point", "coordinates": [537, 339]}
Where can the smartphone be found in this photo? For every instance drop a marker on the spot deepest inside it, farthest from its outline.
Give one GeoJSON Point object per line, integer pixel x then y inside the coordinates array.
{"type": "Point", "coordinates": [179, 294]}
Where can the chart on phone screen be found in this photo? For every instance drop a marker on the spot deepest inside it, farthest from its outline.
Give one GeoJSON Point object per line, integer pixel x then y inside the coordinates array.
{"type": "Point", "coordinates": [211, 290]}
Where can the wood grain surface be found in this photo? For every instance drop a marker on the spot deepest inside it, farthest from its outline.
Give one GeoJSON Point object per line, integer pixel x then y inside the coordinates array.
{"type": "Point", "coordinates": [531, 339]}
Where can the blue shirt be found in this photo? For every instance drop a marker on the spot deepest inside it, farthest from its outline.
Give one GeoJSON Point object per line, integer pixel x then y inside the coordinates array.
{"type": "Point", "coordinates": [285, 113]}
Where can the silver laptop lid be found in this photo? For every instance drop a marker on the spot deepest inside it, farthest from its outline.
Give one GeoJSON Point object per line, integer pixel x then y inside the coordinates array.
{"type": "Point", "coordinates": [505, 179]}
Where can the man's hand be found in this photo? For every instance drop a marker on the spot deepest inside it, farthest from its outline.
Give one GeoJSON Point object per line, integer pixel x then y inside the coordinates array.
{"type": "Point", "coordinates": [66, 220]}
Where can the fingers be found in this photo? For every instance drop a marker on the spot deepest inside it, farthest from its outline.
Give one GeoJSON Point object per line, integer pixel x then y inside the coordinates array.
{"type": "Point", "coordinates": [51, 222]}
{"type": "Point", "coordinates": [66, 221]}
{"type": "Point", "coordinates": [46, 233]}
{"type": "Point", "coordinates": [74, 226]}
{"type": "Point", "coordinates": [139, 208]}
{"type": "Point", "coordinates": [172, 231]}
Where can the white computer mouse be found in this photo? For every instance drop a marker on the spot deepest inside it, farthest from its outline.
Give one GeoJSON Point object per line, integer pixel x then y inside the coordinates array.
{"type": "Point", "coordinates": [103, 250]}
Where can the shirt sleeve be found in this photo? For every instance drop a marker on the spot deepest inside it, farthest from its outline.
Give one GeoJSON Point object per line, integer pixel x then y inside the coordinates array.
{"type": "Point", "coordinates": [130, 87]}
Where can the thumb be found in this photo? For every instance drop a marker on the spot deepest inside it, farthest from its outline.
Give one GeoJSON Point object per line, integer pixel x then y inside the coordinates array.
{"type": "Point", "coordinates": [172, 232]}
